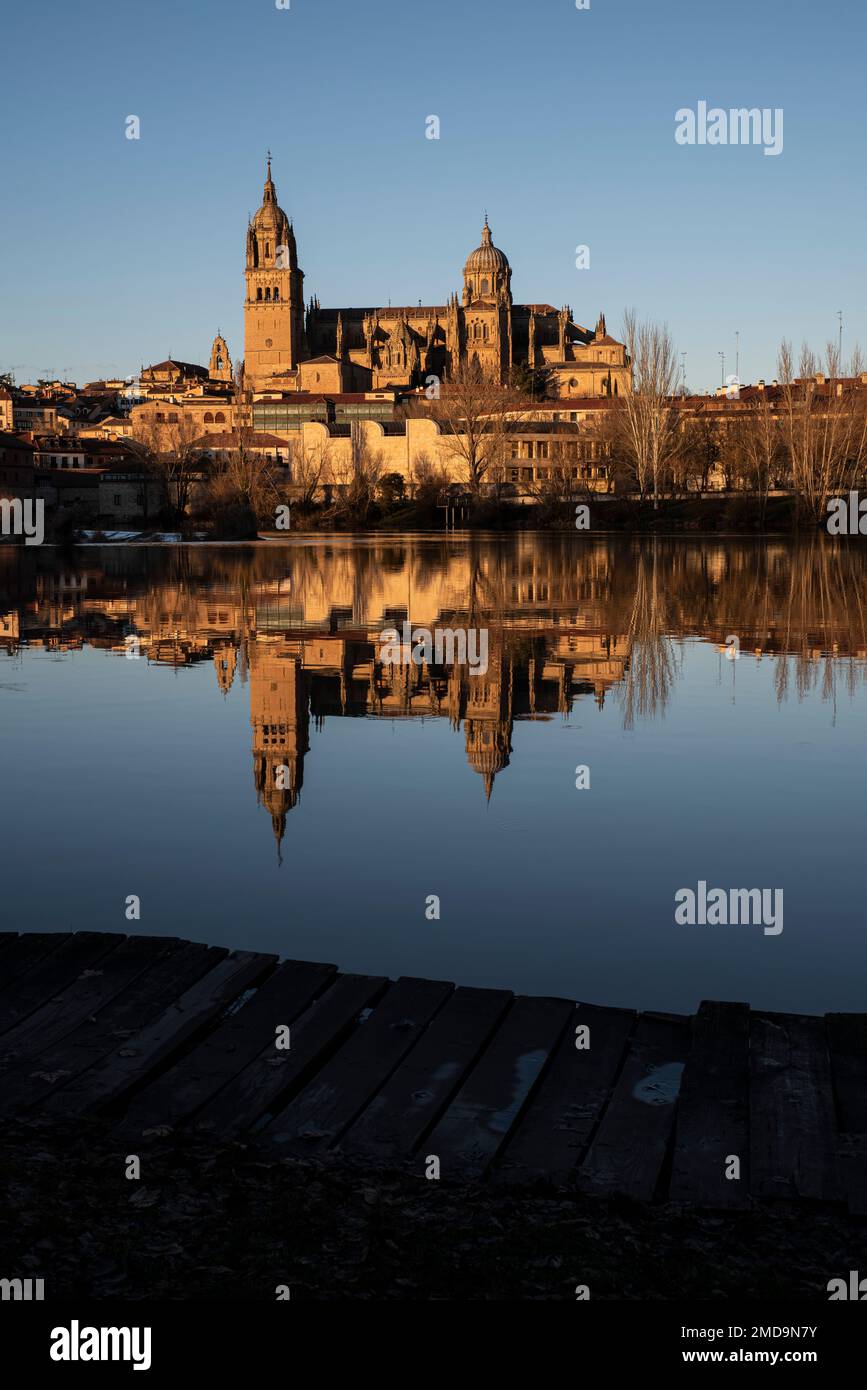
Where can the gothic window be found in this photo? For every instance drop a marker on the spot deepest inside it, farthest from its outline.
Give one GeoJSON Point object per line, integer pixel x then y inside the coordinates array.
{"type": "Point", "coordinates": [219, 363]}
{"type": "Point", "coordinates": [484, 287]}
{"type": "Point", "coordinates": [276, 292]}
{"type": "Point", "coordinates": [219, 418]}
{"type": "Point", "coordinates": [268, 292]}
{"type": "Point", "coordinates": [267, 248]}
{"type": "Point", "coordinates": [259, 292]}
{"type": "Point", "coordinates": [209, 418]}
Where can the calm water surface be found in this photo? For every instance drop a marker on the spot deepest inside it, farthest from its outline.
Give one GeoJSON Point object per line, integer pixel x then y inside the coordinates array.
{"type": "Point", "coordinates": [159, 775]}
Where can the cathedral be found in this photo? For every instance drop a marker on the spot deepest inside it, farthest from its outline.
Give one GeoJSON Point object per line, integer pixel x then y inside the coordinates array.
{"type": "Point", "coordinates": [291, 345]}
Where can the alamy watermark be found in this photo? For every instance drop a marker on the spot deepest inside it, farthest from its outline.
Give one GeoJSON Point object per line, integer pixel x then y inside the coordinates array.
{"type": "Point", "coordinates": [730, 907]}
{"type": "Point", "coordinates": [847, 516]}
{"type": "Point", "coordinates": [22, 1290]}
{"type": "Point", "coordinates": [737, 126]}
{"type": "Point", "coordinates": [444, 646]}
{"type": "Point", "coordinates": [23, 518]}
{"type": "Point", "coordinates": [77, 1343]}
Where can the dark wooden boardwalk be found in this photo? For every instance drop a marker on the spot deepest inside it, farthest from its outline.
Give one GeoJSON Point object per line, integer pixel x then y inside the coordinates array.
{"type": "Point", "coordinates": [158, 1034]}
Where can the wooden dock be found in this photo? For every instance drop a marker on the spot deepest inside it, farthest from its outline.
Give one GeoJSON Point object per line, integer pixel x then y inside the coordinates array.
{"type": "Point", "coordinates": [158, 1034]}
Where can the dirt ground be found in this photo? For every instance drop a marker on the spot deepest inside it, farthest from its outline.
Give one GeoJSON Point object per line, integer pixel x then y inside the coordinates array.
{"type": "Point", "coordinates": [231, 1223]}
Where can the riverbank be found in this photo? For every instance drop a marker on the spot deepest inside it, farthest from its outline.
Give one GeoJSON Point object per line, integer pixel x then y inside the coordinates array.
{"type": "Point", "coordinates": [218, 1221]}
{"type": "Point", "coordinates": [724, 514]}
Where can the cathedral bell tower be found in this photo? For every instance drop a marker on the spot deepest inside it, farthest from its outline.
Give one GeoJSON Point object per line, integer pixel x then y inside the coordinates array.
{"type": "Point", "coordinates": [274, 305]}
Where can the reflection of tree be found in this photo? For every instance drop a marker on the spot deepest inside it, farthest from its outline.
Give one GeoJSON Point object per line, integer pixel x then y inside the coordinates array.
{"type": "Point", "coordinates": [650, 666]}
{"type": "Point", "coordinates": [823, 608]}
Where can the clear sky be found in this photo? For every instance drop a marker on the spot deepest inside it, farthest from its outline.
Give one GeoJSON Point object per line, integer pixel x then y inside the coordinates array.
{"type": "Point", "coordinates": [559, 122]}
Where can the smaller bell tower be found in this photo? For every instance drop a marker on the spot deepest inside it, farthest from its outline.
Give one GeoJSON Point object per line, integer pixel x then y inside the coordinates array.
{"type": "Point", "coordinates": [220, 368]}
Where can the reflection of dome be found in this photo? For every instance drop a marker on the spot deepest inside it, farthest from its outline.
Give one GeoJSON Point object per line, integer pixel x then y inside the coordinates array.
{"type": "Point", "coordinates": [278, 801]}
{"type": "Point", "coordinates": [487, 256]}
{"type": "Point", "coordinates": [488, 748]}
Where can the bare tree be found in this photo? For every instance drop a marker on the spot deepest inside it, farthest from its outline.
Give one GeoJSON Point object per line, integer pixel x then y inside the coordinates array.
{"type": "Point", "coordinates": [824, 425]}
{"type": "Point", "coordinates": [428, 480]}
{"type": "Point", "coordinates": [472, 415]}
{"type": "Point", "coordinates": [358, 478]}
{"type": "Point", "coordinates": [764, 448]}
{"type": "Point", "coordinates": [643, 421]}
{"type": "Point", "coordinates": [170, 449]}
{"type": "Point", "coordinates": [698, 452]}
{"type": "Point", "coordinates": [310, 469]}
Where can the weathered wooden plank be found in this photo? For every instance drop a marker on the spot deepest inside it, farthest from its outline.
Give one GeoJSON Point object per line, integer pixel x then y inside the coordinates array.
{"type": "Point", "coordinates": [327, 1106]}
{"type": "Point", "coordinates": [713, 1109]}
{"type": "Point", "coordinates": [628, 1150]}
{"type": "Point", "coordinates": [476, 1124]}
{"type": "Point", "coordinates": [792, 1124]}
{"type": "Point", "coordinates": [554, 1131]}
{"type": "Point", "coordinates": [176, 970]}
{"type": "Point", "coordinates": [52, 974]}
{"type": "Point", "coordinates": [240, 1037]}
{"type": "Point", "coordinates": [847, 1042]}
{"type": "Point", "coordinates": [25, 952]}
{"type": "Point", "coordinates": [266, 1083]}
{"type": "Point", "coordinates": [419, 1089]}
{"type": "Point", "coordinates": [852, 1171]}
{"type": "Point", "coordinates": [151, 1047]}
{"type": "Point", "coordinates": [81, 999]}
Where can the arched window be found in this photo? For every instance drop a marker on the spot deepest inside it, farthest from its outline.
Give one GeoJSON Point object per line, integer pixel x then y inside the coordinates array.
{"type": "Point", "coordinates": [268, 292]}
{"type": "Point", "coordinates": [276, 291]}
{"type": "Point", "coordinates": [267, 248]}
{"type": "Point", "coordinates": [219, 418]}
{"type": "Point", "coordinates": [484, 287]}
{"type": "Point", "coordinates": [259, 292]}
{"type": "Point", "coordinates": [209, 417]}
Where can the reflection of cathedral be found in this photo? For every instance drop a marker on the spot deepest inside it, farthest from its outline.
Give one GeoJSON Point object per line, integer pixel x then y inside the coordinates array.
{"type": "Point", "coordinates": [294, 680]}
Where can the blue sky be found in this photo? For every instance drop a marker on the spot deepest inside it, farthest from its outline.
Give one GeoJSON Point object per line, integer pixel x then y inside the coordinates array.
{"type": "Point", "coordinates": [559, 122]}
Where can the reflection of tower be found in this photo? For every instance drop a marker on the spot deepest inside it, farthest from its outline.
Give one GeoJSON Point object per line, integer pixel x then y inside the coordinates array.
{"type": "Point", "coordinates": [225, 662]}
{"type": "Point", "coordinates": [279, 716]}
{"type": "Point", "coordinates": [486, 701]}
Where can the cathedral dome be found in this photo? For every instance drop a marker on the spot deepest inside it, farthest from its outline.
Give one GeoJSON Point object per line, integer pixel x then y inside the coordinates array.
{"type": "Point", "coordinates": [269, 230]}
{"type": "Point", "coordinates": [487, 257]}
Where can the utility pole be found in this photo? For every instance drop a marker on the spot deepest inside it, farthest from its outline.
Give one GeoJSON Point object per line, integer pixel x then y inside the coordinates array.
{"type": "Point", "coordinates": [737, 356]}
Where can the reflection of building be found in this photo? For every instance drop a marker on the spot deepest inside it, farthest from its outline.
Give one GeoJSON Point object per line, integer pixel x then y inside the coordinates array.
{"type": "Point", "coordinates": [279, 716]}
{"type": "Point", "coordinates": [565, 622]}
